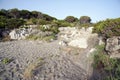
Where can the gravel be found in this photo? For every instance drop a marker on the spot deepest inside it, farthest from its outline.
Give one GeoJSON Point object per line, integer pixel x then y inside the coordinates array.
{"type": "Point", "coordinates": [52, 62]}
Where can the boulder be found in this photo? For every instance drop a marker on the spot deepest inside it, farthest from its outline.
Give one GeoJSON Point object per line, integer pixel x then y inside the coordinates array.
{"type": "Point", "coordinates": [89, 29]}
{"type": "Point", "coordinates": [113, 45]}
{"type": "Point", "coordinates": [19, 33]}
{"type": "Point", "coordinates": [80, 43]}
{"type": "Point", "coordinates": [13, 35]}
{"type": "Point", "coordinates": [77, 37]}
{"type": "Point", "coordinates": [63, 43]}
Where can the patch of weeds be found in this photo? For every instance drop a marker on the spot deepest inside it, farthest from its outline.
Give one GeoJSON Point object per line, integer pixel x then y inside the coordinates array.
{"type": "Point", "coordinates": [6, 61]}
{"type": "Point", "coordinates": [32, 37]}
{"type": "Point", "coordinates": [110, 66]}
{"type": "Point", "coordinates": [43, 38]}
{"type": "Point", "coordinates": [49, 38]}
{"type": "Point", "coordinates": [33, 68]}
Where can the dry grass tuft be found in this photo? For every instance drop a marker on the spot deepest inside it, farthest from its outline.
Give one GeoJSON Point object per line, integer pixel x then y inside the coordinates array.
{"type": "Point", "coordinates": [31, 69]}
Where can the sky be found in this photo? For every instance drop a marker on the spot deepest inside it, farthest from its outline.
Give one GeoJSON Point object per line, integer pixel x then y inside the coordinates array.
{"type": "Point", "coordinates": [96, 9]}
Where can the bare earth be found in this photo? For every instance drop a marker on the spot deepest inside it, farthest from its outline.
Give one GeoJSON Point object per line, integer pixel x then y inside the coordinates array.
{"type": "Point", "coordinates": [33, 60]}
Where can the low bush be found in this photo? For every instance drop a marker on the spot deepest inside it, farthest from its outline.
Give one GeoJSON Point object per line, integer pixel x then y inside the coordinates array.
{"type": "Point", "coordinates": [61, 23]}
{"type": "Point", "coordinates": [110, 66]}
{"type": "Point", "coordinates": [85, 25]}
{"type": "Point", "coordinates": [43, 22]}
{"type": "Point", "coordinates": [10, 23]}
{"type": "Point", "coordinates": [108, 28]}
{"type": "Point", "coordinates": [6, 61]}
{"type": "Point", "coordinates": [47, 38]}
{"type": "Point", "coordinates": [33, 37]}
{"type": "Point", "coordinates": [50, 28]}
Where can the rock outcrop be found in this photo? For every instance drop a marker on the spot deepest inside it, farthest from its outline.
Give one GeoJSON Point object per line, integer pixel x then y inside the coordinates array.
{"type": "Point", "coordinates": [81, 43]}
{"type": "Point", "coordinates": [113, 46]}
{"type": "Point", "coordinates": [19, 33]}
{"type": "Point", "coordinates": [76, 37]}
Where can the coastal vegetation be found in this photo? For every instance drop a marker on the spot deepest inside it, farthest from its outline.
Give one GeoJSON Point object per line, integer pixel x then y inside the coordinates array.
{"type": "Point", "coordinates": [47, 29]}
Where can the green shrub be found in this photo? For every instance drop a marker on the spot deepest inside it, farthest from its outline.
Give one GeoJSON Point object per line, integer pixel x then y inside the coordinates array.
{"type": "Point", "coordinates": [85, 25]}
{"type": "Point", "coordinates": [54, 29]}
{"type": "Point", "coordinates": [108, 28]}
{"type": "Point", "coordinates": [41, 28]}
{"type": "Point", "coordinates": [33, 37]}
{"type": "Point", "coordinates": [50, 28]}
{"type": "Point", "coordinates": [49, 38]}
{"type": "Point", "coordinates": [29, 22]}
{"type": "Point", "coordinates": [61, 23]}
{"type": "Point", "coordinates": [110, 66]}
{"type": "Point", "coordinates": [2, 21]}
{"type": "Point", "coordinates": [5, 60]}
{"type": "Point", "coordinates": [10, 23]}
{"type": "Point", "coordinates": [43, 22]}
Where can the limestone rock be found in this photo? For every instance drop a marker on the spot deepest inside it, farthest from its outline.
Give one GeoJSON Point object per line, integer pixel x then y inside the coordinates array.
{"type": "Point", "coordinates": [63, 43]}
{"type": "Point", "coordinates": [89, 29]}
{"type": "Point", "coordinates": [19, 33]}
{"type": "Point", "coordinates": [81, 43]}
{"type": "Point", "coordinates": [13, 35]}
{"type": "Point", "coordinates": [76, 37]}
{"type": "Point", "coordinates": [113, 45]}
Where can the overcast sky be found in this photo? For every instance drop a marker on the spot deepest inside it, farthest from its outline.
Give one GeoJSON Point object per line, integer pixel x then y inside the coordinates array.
{"type": "Point", "coordinates": [96, 9]}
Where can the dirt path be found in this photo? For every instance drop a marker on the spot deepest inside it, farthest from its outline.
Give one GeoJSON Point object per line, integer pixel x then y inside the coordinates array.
{"type": "Point", "coordinates": [33, 60]}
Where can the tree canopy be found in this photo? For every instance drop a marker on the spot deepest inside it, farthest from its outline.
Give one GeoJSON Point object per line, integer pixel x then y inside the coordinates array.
{"type": "Point", "coordinates": [14, 18]}
{"type": "Point", "coordinates": [70, 19]}
{"type": "Point", "coordinates": [24, 14]}
{"type": "Point", "coordinates": [84, 19]}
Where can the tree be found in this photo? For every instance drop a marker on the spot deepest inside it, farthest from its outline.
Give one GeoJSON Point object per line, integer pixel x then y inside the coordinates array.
{"type": "Point", "coordinates": [15, 13]}
{"type": "Point", "coordinates": [34, 14]}
{"type": "Point", "coordinates": [34, 20]}
{"type": "Point", "coordinates": [2, 22]}
{"type": "Point", "coordinates": [84, 19]}
{"type": "Point", "coordinates": [14, 23]}
{"type": "Point", "coordinates": [48, 18]}
{"type": "Point", "coordinates": [70, 19]}
{"type": "Point", "coordinates": [3, 12]}
{"type": "Point", "coordinates": [25, 14]}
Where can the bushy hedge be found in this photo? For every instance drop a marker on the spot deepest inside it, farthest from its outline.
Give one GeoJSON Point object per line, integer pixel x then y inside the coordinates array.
{"type": "Point", "coordinates": [35, 21]}
{"type": "Point", "coordinates": [108, 28]}
{"type": "Point", "coordinates": [61, 23]}
{"type": "Point", "coordinates": [10, 23]}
